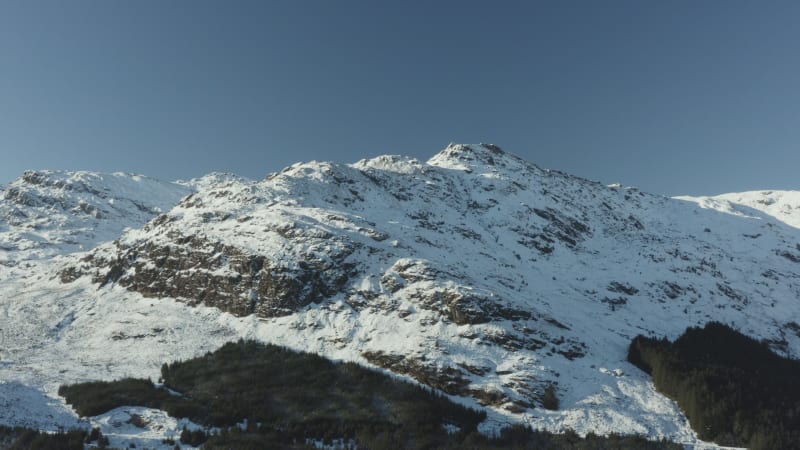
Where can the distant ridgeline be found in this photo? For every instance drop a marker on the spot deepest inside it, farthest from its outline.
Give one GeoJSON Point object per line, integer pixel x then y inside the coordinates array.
{"type": "Point", "coordinates": [287, 398]}
{"type": "Point", "coordinates": [734, 389]}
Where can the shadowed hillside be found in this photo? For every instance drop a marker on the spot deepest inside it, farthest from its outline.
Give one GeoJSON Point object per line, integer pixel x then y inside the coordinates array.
{"type": "Point", "coordinates": [733, 389]}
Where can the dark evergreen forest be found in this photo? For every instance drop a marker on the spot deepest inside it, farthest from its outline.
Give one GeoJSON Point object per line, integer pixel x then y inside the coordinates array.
{"type": "Point", "coordinates": [289, 397]}
{"type": "Point", "coordinates": [734, 389]}
{"type": "Point", "coordinates": [19, 438]}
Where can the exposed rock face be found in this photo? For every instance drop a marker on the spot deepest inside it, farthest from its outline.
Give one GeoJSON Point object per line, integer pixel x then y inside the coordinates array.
{"type": "Point", "coordinates": [196, 270]}
{"type": "Point", "coordinates": [448, 379]}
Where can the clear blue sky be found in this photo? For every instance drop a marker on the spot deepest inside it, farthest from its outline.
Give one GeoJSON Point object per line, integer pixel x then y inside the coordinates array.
{"type": "Point", "coordinates": [675, 97]}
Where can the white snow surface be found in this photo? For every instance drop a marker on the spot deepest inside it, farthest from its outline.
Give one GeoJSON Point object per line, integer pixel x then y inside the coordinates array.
{"type": "Point", "coordinates": [595, 265]}
{"type": "Point", "coordinates": [48, 213]}
{"type": "Point", "coordinates": [781, 205]}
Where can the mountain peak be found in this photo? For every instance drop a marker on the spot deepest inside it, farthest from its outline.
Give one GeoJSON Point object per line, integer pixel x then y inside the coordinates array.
{"type": "Point", "coordinates": [212, 179]}
{"type": "Point", "coordinates": [479, 158]}
{"type": "Point", "coordinates": [54, 178]}
{"type": "Point", "coordinates": [468, 154]}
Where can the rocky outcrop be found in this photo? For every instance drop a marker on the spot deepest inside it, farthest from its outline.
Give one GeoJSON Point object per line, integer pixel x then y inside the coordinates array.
{"type": "Point", "coordinates": [447, 379]}
{"type": "Point", "coordinates": [195, 270]}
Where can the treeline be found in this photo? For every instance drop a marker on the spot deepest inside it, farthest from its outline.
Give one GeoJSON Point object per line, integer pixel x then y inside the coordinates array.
{"type": "Point", "coordinates": [19, 438]}
{"type": "Point", "coordinates": [294, 396]}
{"type": "Point", "coordinates": [287, 398]}
{"type": "Point", "coordinates": [514, 437]}
{"type": "Point", "coordinates": [96, 397]}
{"type": "Point", "coordinates": [734, 389]}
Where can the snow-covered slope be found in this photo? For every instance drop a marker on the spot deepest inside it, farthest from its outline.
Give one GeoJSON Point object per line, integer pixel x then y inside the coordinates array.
{"type": "Point", "coordinates": [475, 272]}
{"type": "Point", "coordinates": [781, 205]}
{"type": "Point", "coordinates": [47, 213]}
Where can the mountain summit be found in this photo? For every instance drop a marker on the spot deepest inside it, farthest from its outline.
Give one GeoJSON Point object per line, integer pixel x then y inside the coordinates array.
{"type": "Point", "coordinates": [476, 273]}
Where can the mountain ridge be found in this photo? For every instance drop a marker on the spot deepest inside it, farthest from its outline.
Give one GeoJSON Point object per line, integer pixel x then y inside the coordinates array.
{"type": "Point", "coordinates": [46, 213]}
{"type": "Point", "coordinates": [476, 272]}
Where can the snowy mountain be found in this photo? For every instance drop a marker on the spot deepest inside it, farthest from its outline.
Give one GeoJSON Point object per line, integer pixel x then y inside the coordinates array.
{"type": "Point", "coordinates": [476, 272]}
{"type": "Point", "coordinates": [781, 205]}
{"type": "Point", "coordinates": [48, 213]}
